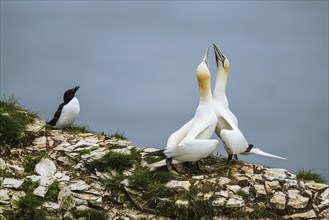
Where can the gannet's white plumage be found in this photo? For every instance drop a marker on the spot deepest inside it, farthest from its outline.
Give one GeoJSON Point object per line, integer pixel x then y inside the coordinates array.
{"type": "Point", "coordinates": [192, 141]}
{"type": "Point", "coordinates": [227, 124]}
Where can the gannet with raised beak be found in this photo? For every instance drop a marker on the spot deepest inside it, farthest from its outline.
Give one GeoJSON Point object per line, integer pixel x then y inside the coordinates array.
{"type": "Point", "coordinates": [192, 141]}
{"type": "Point", "coordinates": [227, 124]}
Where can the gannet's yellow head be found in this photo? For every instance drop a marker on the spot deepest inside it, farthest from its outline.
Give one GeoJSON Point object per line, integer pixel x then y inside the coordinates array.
{"type": "Point", "coordinates": [203, 75]}
{"type": "Point", "coordinates": [221, 60]}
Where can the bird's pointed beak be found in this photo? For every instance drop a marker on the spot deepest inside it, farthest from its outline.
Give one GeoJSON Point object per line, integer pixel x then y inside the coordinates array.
{"type": "Point", "coordinates": [205, 58]}
{"type": "Point", "coordinates": [76, 88]}
{"type": "Point", "coordinates": [219, 56]}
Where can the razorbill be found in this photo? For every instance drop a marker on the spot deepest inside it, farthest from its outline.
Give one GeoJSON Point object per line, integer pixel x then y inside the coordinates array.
{"type": "Point", "coordinates": [192, 141]}
{"type": "Point", "coordinates": [227, 124]}
{"type": "Point", "coordinates": [68, 111]}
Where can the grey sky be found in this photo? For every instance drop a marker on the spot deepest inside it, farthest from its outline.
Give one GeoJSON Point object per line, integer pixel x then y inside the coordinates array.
{"type": "Point", "coordinates": [135, 63]}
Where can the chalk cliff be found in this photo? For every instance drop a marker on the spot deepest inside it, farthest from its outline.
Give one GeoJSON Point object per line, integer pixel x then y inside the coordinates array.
{"type": "Point", "coordinates": [65, 175]}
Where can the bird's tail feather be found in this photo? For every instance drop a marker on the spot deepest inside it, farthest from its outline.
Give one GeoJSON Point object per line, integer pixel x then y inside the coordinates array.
{"type": "Point", "coordinates": [155, 153]}
{"type": "Point", "coordinates": [260, 152]}
{"type": "Point", "coordinates": [162, 163]}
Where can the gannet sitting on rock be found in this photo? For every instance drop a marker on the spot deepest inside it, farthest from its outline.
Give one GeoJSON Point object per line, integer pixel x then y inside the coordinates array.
{"type": "Point", "coordinates": [192, 141]}
{"type": "Point", "coordinates": [227, 124]}
{"type": "Point", "coordinates": [68, 111]}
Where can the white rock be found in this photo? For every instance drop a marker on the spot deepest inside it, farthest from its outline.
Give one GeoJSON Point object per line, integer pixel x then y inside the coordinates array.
{"type": "Point", "coordinates": [290, 183]}
{"type": "Point", "coordinates": [79, 186]}
{"type": "Point", "coordinates": [79, 166]}
{"type": "Point", "coordinates": [82, 208]}
{"type": "Point", "coordinates": [104, 175]}
{"type": "Point", "coordinates": [208, 195]}
{"type": "Point", "coordinates": [234, 203]}
{"type": "Point", "coordinates": [95, 155]}
{"type": "Point", "coordinates": [296, 200]}
{"type": "Point", "coordinates": [16, 198]}
{"type": "Point", "coordinates": [248, 169]}
{"type": "Point", "coordinates": [34, 178]}
{"type": "Point", "coordinates": [78, 201]}
{"type": "Point", "coordinates": [85, 144]}
{"type": "Point", "coordinates": [92, 139]}
{"type": "Point", "coordinates": [40, 191]}
{"type": "Point", "coordinates": [121, 151]}
{"type": "Point", "coordinates": [223, 181]}
{"type": "Point", "coordinates": [316, 186]}
{"type": "Point", "coordinates": [246, 190]}
{"type": "Point", "coordinates": [255, 177]}
{"type": "Point", "coordinates": [279, 200]}
{"type": "Point", "coordinates": [182, 203]}
{"type": "Point", "coordinates": [61, 176]}
{"type": "Point", "coordinates": [45, 167]}
{"type": "Point", "coordinates": [275, 174]}
{"type": "Point", "coordinates": [222, 193]}
{"type": "Point", "coordinates": [66, 160]}
{"type": "Point", "coordinates": [150, 150]}
{"type": "Point", "coordinates": [325, 199]}
{"type": "Point", "coordinates": [2, 164]}
{"type": "Point", "coordinates": [12, 183]}
{"type": "Point", "coordinates": [65, 199]}
{"type": "Point", "coordinates": [51, 205]}
{"type": "Point", "coordinates": [17, 169]}
{"type": "Point", "coordinates": [46, 181]}
{"type": "Point", "coordinates": [234, 188]}
{"type": "Point", "coordinates": [86, 196]}
{"type": "Point", "coordinates": [4, 195]}
{"type": "Point", "coordinates": [40, 142]}
{"type": "Point", "coordinates": [272, 185]}
{"type": "Point", "coordinates": [36, 126]}
{"type": "Point", "coordinates": [175, 183]}
{"type": "Point", "coordinates": [219, 202]}
{"type": "Point", "coordinates": [260, 189]}
{"type": "Point", "coordinates": [200, 177]}
{"type": "Point", "coordinates": [305, 215]}
{"type": "Point", "coordinates": [62, 147]}
{"type": "Point", "coordinates": [50, 142]}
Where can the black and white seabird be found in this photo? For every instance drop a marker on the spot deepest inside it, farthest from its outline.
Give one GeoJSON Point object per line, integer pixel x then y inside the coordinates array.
{"type": "Point", "coordinates": [68, 111]}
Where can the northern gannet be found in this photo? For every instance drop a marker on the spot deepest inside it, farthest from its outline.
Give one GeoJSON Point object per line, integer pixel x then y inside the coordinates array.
{"type": "Point", "coordinates": [192, 141]}
{"type": "Point", "coordinates": [227, 124]}
{"type": "Point", "coordinates": [68, 111]}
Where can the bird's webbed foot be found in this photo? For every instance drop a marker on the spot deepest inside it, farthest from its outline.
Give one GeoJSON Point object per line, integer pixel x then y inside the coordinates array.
{"type": "Point", "coordinates": [169, 163]}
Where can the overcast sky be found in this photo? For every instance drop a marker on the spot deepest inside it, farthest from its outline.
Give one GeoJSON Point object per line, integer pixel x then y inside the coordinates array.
{"type": "Point", "coordinates": [135, 64]}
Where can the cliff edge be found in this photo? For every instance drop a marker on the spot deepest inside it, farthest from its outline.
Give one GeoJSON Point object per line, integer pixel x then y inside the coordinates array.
{"type": "Point", "coordinates": [68, 175]}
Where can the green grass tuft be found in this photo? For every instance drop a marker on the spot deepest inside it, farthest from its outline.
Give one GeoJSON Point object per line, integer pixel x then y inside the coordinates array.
{"type": "Point", "coordinates": [152, 159]}
{"type": "Point", "coordinates": [200, 208]}
{"type": "Point", "coordinates": [13, 122]}
{"type": "Point", "coordinates": [310, 175]}
{"type": "Point", "coordinates": [115, 161]}
{"type": "Point", "coordinates": [29, 186]}
{"type": "Point", "coordinates": [118, 135]}
{"type": "Point", "coordinates": [90, 214]}
{"type": "Point", "coordinates": [53, 190]}
{"type": "Point", "coordinates": [115, 184]}
{"type": "Point", "coordinates": [29, 162]}
{"type": "Point", "coordinates": [28, 207]}
{"type": "Point", "coordinates": [145, 178]}
{"type": "Point", "coordinates": [243, 194]}
{"type": "Point", "coordinates": [75, 129]}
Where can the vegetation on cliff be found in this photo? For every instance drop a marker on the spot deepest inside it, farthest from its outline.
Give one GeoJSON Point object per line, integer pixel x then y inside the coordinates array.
{"type": "Point", "coordinates": [76, 174]}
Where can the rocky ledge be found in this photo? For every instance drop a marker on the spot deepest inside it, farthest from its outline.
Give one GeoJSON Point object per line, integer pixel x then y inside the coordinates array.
{"type": "Point", "coordinates": [63, 175]}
